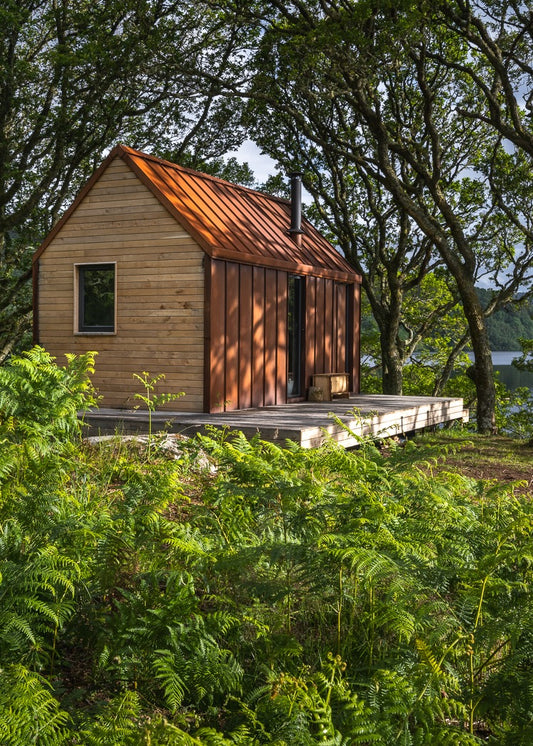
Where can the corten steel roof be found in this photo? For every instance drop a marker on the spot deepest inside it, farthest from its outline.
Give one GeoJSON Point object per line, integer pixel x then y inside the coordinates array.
{"type": "Point", "coordinates": [228, 221]}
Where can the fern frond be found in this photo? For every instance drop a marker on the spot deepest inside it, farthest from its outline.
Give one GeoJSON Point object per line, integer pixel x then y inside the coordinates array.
{"type": "Point", "coordinates": [173, 684]}
{"type": "Point", "coordinates": [29, 713]}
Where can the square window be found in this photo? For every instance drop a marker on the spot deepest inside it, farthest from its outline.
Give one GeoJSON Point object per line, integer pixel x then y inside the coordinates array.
{"type": "Point", "coordinates": [96, 298]}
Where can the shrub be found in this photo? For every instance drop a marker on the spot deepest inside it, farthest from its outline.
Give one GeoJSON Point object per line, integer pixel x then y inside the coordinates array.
{"type": "Point", "coordinates": [281, 596]}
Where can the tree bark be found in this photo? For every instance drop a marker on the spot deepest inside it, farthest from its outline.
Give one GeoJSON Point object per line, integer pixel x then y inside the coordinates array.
{"type": "Point", "coordinates": [392, 367]}
{"type": "Point", "coordinates": [483, 368]}
{"type": "Point", "coordinates": [454, 247]}
{"type": "Point", "coordinates": [388, 318]}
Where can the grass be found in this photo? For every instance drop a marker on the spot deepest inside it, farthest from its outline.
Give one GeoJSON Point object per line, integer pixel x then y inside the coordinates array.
{"type": "Point", "coordinates": [491, 457]}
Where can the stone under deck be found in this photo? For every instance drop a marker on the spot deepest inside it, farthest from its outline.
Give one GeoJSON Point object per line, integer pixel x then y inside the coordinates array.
{"type": "Point", "coordinates": [306, 423]}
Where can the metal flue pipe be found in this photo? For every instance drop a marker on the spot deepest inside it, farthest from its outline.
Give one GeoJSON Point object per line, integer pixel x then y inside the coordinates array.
{"type": "Point", "coordinates": [296, 207]}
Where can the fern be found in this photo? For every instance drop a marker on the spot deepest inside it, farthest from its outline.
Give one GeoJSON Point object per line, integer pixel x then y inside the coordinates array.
{"type": "Point", "coordinates": [151, 400]}
{"type": "Point", "coordinates": [174, 602]}
{"type": "Point", "coordinates": [171, 680]}
{"type": "Point", "coordinates": [39, 401]}
{"type": "Point", "coordinates": [29, 713]}
{"type": "Point", "coordinates": [196, 664]}
{"type": "Point", "coordinates": [118, 723]}
{"type": "Point", "coordinates": [36, 595]}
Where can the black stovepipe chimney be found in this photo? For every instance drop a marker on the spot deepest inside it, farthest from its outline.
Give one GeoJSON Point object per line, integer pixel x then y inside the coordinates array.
{"type": "Point", "coordinates": [296, 206]}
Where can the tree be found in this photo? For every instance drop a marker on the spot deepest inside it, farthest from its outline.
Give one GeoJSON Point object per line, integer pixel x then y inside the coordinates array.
{"type": "Point", "coordinates": [75, 77]}
{"type": "Point", "coordinates": [376, 235]}
{"type": "Point", "coordinates": [525, 361]}
{"type": "Point", "coordinates": [378, 86]}
{"type": "Point", "coordinates": [500, 36]}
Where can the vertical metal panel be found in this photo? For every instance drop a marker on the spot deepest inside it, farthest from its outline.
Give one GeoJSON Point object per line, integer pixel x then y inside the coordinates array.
{"type": "Point", "coordinates": [310, 330]}
{"type": "Point", "coordinates": [350, 325]}
{"type": "Point", "coordinates": [245, 336]}
{"type": "Point", "coordinates": [231, 397]}
{"type": "Point", "coordinates": [329, 317]}
{"type": "Point", "coordinates": [341, 322]}
{"type": "Point", "coordinates": [352, 330]}
{"type": "Point", "coordinates": [281, 347]}
{"type": "Point", "coordinates": [319, 326]}
{"type": "Point", "coordinates": [271, 327]}
{"type": "Point", "coordinates": [258, 329]}
{"type": "Point", "coordinates": [333, 306]}
{"type": "Point", "coordinates": [217, 336]}
{"type": "Point", "coordinates": [248, 333]}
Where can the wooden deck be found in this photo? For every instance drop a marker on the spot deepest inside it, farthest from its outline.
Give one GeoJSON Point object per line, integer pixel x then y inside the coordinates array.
{"type": "Point", "coordinates": [306, 423]}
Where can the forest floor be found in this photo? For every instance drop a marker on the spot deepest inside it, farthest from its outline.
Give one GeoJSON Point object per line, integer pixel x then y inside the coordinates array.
{"type": "Point", "coordinates": [493, 457]}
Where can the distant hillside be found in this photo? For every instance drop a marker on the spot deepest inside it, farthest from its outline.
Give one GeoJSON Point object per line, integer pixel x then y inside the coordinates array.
{"type": "Point", "coordinates": [507, 325]}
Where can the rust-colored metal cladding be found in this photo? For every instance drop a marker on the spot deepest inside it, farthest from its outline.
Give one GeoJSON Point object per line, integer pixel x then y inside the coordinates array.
{"type": "Point", "coordinates": [235, 298]}
{"type": "Point", "coordinates": [341, 319]}
{"type": "Point", "coordinates": [246, 336]}
{"type": "Point", "coordinates": [238, 227]}
{"type": "Point", "coordinates": [236, 223]}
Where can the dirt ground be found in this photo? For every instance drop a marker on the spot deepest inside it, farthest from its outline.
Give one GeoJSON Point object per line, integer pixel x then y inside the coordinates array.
{"type": "Point", "coordinates": [496, 458]}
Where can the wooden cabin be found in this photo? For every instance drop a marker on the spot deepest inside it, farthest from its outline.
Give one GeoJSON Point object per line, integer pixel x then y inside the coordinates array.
{"type": "Point", "coordinates": [225, 290]}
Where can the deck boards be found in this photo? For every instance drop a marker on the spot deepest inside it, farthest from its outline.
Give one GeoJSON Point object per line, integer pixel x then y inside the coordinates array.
{"type": "Point", "coordinates": [307, 423]}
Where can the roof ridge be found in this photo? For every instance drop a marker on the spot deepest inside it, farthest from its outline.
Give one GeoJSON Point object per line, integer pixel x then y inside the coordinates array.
{"type": "Point", "coordinates": [127, 150]}
{"type": "Point", "coordinates": [228, 221]}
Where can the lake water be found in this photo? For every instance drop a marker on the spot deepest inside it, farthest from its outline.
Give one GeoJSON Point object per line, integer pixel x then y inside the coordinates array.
{"type": "Point", "coordinates": [502, 361]}
{"type": "Point", "coordinates": [509, 375]}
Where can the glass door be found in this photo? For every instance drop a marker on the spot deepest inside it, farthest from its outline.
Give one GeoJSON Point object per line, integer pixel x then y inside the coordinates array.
{"type": "Point", "coordinates": [295, 335]}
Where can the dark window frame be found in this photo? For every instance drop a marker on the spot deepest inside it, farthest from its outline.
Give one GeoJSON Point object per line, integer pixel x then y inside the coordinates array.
{"type": "Point", "coordinates": [296, 335]}
{"type": "Point", "coordinates": [82, 327]}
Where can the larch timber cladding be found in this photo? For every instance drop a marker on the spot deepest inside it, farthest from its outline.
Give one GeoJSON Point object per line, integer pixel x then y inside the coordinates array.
{"type": "Point", "coordinates": [160, 292]}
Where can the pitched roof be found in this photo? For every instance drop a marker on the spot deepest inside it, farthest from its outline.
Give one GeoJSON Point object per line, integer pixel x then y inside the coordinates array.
{"type": "Point", "coordinates": [228, 221]}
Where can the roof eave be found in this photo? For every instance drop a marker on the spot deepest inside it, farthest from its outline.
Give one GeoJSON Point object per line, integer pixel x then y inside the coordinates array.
{"type": "Point", "coordinates": [235, 256]}
{"type": "Point", "coordinates": [120, 151]}
{"type": "Point", "coordinates": [292, 267]}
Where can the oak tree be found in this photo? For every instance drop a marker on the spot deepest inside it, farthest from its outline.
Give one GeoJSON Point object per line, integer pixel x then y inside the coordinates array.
{"type": "Point", "coordinates": [382, 87]}
{"type": "Point", "coordinates": [75, 78]}
{"type": "Point", "coordinates": [378, 237]}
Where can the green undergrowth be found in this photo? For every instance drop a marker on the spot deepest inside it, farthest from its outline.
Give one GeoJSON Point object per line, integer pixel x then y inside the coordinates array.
{"type": "Point", "coordinates": [244, 593]}
{"type": "Point", "coordinates": [499, 458]}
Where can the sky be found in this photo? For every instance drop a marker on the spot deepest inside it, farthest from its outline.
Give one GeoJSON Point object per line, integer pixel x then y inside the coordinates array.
{"type": "Point", "coordinates": [261, 164]}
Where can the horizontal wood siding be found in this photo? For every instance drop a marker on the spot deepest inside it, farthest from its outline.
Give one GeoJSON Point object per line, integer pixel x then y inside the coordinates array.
{"type": "Point", "coordinates": [160, 292]}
